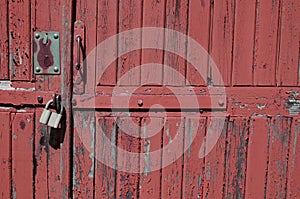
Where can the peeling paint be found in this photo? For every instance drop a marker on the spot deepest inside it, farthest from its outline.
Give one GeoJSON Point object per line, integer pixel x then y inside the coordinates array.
{"type": "Point", "coordinates": [261, 106]}
{"type": "Point", "coordinates": [207, 171]}
{"type": "Point", "coordinates": [6, 85]}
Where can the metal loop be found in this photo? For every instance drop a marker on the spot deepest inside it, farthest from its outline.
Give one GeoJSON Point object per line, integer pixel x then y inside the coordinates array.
{"type": "Point", "coordinates": [61, 108]}
{"type": "Point", "coordinates": [48, 103]}
{"type": "Point", "coordinates": [78, 52]}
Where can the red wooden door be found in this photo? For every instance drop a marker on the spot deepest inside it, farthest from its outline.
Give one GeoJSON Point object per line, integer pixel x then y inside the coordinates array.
{"type": "Point", "coordinates": [148, 113]}
{"type": "Point", "coordinates": [251, 151]}
{"type": "Point", "coordinates": [34, 159]}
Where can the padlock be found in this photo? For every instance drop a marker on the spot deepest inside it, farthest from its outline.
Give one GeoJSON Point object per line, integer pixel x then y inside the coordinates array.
{"type": "Point", "coordinates": [46, 113]}
{"type": "Point", "coordinates": [55, 118]}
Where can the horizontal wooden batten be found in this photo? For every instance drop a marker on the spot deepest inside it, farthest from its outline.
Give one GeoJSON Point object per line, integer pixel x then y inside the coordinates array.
{"type": "Point", "coordinates": [150, 102]}
{"type": "Point", "coordinates": [235, 100]}
{"type": "Point", "coordinates": [26, 97]}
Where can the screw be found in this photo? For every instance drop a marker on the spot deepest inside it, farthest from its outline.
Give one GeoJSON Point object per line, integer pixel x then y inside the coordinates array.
{"type": "Point", "coordinates": [55, 36]}
{"type": "Point", "coordinates": [140, 102]}
{"type": "Point", "coordinates": [221, 102]}
{"type": "Point", "coordinates": [77, 66]}
{"type": "Point", "coordinates": [40, 99]}
{"type": "Point", "coordinates": [56, 69]}
{"type": "Point", "coordinates": [37, 69]}
{"type": "Point", "coordinates": [74, 102]}
{"type": "Point", "coordinates": [37, 35]}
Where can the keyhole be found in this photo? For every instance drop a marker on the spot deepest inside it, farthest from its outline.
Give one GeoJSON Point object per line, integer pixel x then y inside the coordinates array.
{"type": "Point", "coordinates": [47, 61]}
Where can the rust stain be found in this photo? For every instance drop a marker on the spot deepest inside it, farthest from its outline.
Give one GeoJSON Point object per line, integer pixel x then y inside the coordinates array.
{"type": "Point", "coordinates": [22, 125]}
{"type": "Point", "coordinates": [45, 57]}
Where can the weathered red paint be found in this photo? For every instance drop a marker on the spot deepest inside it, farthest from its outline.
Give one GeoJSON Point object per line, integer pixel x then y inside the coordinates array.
{"type": "Point", "coordinates": [5, 155]}
{"type": "Point", "coordinates": [193, 171]}
{"type": "Point", "coordinates": [255, 45]}
{"type": "Point", "coordinates": [257, 166]}
{"type": "Point", "coordinates": [22, 136]}
{"type": "Point", "coordinates": [244, 27]}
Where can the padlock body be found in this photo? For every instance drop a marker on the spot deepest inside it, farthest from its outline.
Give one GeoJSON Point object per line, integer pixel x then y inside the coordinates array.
{"type": "Point", "coordinates": [45, 116]}
{"type": "Point", "coordinates": [57, 121]}
{"type": "Point", "coordinates": [52, 120]}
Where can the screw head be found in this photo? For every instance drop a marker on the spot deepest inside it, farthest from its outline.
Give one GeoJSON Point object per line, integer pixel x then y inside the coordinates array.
{"type": "Point", "coordinates": [37, 35]}
{"type": "Point", "coordinates": [221, 102]}
{"type": "Point", "coordinates": [140, 102]}
{"type": "Point", "coordinates": [55, 36]}
{"type": "Point", "coordinates": [56, 69]}
{"type": "Point", "coordinates": [40, 99]}
{"type": "Point", "coordinates": [37, 69]}
{"type": "Point", "coordinates": [74, 102]}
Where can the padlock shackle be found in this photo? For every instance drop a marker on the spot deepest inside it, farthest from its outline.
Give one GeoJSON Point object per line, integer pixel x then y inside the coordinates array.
{"type": "Point", "coordinates": [61, 108]}
{"type": "Point", "coordinates": [48, 103]}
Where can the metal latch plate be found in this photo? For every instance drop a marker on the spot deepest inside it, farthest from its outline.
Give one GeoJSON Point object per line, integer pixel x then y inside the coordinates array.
{"type": "Point", "coordinates": [293, 104]}
{"type": "Point", "coordinates": [46, 56]}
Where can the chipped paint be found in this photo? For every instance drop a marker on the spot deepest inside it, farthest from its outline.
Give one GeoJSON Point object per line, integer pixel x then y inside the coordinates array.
{"type": "Point", "coordinates": [7, 85]}
{"type": "Point", "coordinates": [207, 171]}
{"type": "Point", "coordinates": [92, 155]}
{"type": "Point", "coordinates": [190, 136]}
{"type": "Point", "coordinates": [261, 106]}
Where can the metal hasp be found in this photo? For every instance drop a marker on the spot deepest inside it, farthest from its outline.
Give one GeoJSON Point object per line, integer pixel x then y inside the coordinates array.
{"type": "Point", "coordinates": [46, 56]}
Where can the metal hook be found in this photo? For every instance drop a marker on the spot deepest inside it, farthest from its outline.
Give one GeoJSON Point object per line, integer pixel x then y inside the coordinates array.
{"type": "Point", "coordinates": [78, 52]}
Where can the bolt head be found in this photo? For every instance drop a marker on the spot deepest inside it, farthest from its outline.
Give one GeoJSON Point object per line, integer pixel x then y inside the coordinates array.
{"type": "Point", "coordinates": [37, 35]}
{"type": "Point", "coordinates": [140, 102]}
{"type": "Point", "coordinates": [221, 102]}
{"type": "Point", "coordinates": [55, 36]}
{"type": "Point", "coordinates": [56, 69]}
{"type": "Point", "coordinates": [74, 102]}
{"type": "Point", "coordinates": [40, 99]}
{"type": "Point", "coordinates": [37, 69]}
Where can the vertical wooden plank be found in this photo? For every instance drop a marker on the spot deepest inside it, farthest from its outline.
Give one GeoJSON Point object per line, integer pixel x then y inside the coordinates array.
{"type": "Point", "coordinates": [288, 68]}
{"type": "Point", "coordinates": [22, 155]}
{"type": "Point", "coordinates": [4, 69]}
{"type": "Point", "coordinates": [176, 19]}
{"type": "Point", "coordinates": [55, 15]}
{"type": "Point", "coordinates": [65, 86]}
{"type": "Point", "coordinates": [278, 158]}
{"type": "Point", "coordinates": [150, 181]}
{"type": "Point", "coordinates": [19, 40]}
{"type": "Point", "coordinates": [83, 154]}
{"type": "Point", "coordinates": [40, 157]}
{"type": "Point", "coordinates": [49, 15]}
{"type": "Point", "coordinates": [243, 42]}
{"type": "Point", "coordinates": [153, 16]}
{"type": "Point", "coordinates": [130, 17]}
{"type": "Point", "coordinates": [172, 174]}
{"type": "Point", "coordinates": [257, 158]}
{"type": "Point", "coordinates": [215, 159]}
{"type": "Point", "coordinates": [127, 182]}
{"type": "Point", "coordinates": [293, 185]}
{"type": "Point", "coordinates": [41, 21]}
{"type": "Point", "coordinates": [198, 29]}
{"type": "Point", "coordinates": [236, 158]}
{"type": "Point", "coordinates": [5, 155]}
{"type": "Point", "coordinates": [222, 40]}
{"type": "Point", "coordinates": [193, 170]}
{"type": "Point", "coordinates": [105, 176]}
{"type": "Point", "coordinates": [107, 26]}
{"type": "Point", "coordinates": [86, 11]}
{"type": "Point", "coordinates": [265, 52]}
